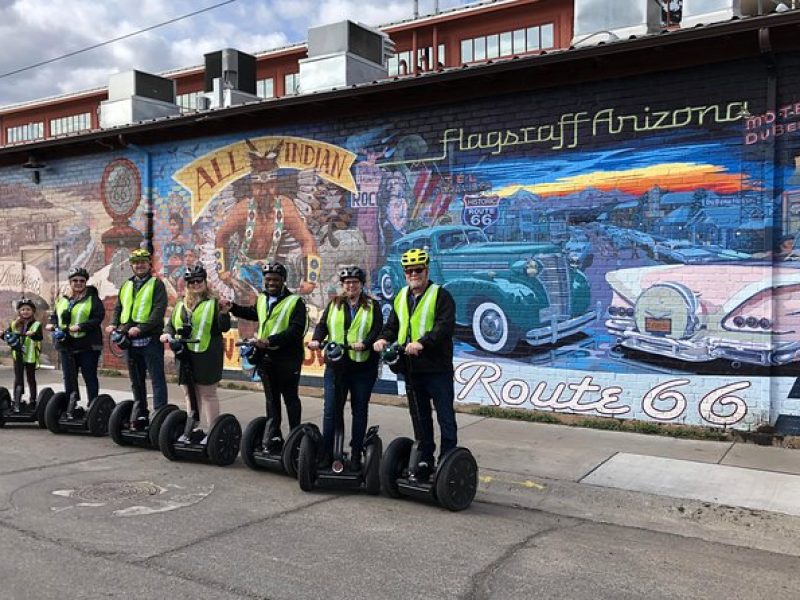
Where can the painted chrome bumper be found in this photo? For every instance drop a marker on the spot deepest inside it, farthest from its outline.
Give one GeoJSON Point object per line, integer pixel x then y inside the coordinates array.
{"type": "Point", "coordinates": [550, 334]}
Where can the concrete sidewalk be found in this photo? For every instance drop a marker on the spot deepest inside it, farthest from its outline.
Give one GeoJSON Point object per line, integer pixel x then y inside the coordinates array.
{"type": "Point", "coordinates": [532, 459]}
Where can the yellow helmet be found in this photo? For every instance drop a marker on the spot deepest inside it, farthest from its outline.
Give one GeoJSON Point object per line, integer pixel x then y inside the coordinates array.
{"type": "Point", "coordinates": [414, 257]}
{"type": "Point", "coordinates": [139, 254]}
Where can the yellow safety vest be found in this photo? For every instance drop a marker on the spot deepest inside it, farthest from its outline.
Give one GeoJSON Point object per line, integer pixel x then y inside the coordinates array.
{"type": "Point", "coordinates": [278, 321]}
{"type": "Point", "coordinates": [30, 349]}
{"type": "Point", "coordinates": [136, 308]}
{"type": "Point", "coordinates": [80, 314]}
{"type": "Point", "coordinates": [421, 321]}
{"type": "Point", "coordinates": [359, 328]}
{"type": "Point", "coordinates": [202, 319]}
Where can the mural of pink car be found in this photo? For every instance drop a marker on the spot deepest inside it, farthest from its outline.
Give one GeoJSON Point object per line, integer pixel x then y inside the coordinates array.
{"type": "Point", "coordinates": [744, 313]}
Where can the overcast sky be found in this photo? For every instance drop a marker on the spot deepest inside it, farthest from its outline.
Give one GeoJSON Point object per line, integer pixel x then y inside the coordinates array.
{"type": "Point", "coordinates": [36, 30]}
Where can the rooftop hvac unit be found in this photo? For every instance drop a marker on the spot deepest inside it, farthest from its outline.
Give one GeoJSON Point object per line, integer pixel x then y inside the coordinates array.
{"type": "Point", "coordinates": [134, 96]}
{"type": "Point", "coordinates": [703, 12]}
{"type": "Point", "coordinates": [230, 78]}
{"type": "Point", "coordinates": [599, 21]}
{"type": "Point", "coordinates": [343, 54]}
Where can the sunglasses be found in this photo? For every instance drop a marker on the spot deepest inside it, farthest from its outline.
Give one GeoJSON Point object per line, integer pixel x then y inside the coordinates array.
{"type": "Point", "coordinates": [195, 281]}
{"type": "Point", "coordinates": [415, 270]}
{"type": "Point", "coordinates": [77, 280]}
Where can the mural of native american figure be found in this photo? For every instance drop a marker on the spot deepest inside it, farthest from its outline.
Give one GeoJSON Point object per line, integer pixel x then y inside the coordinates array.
{"type": "Point", "coordinates": [264, 226]}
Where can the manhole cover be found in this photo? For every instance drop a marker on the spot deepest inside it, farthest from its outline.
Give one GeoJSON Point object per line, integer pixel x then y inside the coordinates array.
{"type": "Point", "coordinates": [117, 490]}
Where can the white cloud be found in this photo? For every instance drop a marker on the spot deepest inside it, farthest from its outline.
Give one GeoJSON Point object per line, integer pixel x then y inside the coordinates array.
{"type": "Point", "coordinates": [38, 30]}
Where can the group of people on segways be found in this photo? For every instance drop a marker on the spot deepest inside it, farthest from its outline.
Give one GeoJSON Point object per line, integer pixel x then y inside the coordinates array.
{"type": "Point", "coordinates": [416, 340]}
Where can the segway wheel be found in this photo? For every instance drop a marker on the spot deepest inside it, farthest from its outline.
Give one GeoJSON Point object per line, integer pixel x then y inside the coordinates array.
{"type": "Point", "coordinates": [118, 420]}
{"type": "Point", "coordinates": [171, 430]}
{"type": "Point", "coordinates": [372, 466]}
{"type": "Point", "coordinates": [5, 404]}
{"type": "Point", "coordinates": [41, 405]}
{"type": "Point", "coordinates": [291, 451]}
{"type": "Point", "coordinates": [98, 415]}
{"type": "Point", "coordinates": [307, 464]}
{"type": "Point", "coordinates": [224, 440]}
{"type": "Point", "coordinates": [457, 480]}
{"type": "Point", "coordinates": [252, 440]}
{"type": "Point", "coordinates": [55, 410]}
{"type": "Point", "coordinates": [156, 421]}
{"type": "Point", "coordinates": [395, 460]}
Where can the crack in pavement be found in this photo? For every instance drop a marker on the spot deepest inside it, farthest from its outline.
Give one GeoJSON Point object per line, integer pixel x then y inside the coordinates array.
{"type": "Point", "coordinates": [481, 582]}
{"type": "Point", "coordinates": [224, 532]}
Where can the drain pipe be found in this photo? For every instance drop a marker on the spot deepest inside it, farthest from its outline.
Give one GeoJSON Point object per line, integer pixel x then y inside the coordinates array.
{"type": "Point", "coordinates": [148, 178]}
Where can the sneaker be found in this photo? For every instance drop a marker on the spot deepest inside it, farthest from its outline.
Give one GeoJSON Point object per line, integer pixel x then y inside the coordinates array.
{"type": "Point", "coordinates": [184, 439]}
{"type": "Point", "coordinates": [424, 470]}
{"type": "Point", "coordinates": [204, 441]}
{"type": "Point", "coordinates": [275, 444]}
{"type": "Point", "coordinates": [197, 435]}
{"type": "Point", "coordinates": [78, 413]}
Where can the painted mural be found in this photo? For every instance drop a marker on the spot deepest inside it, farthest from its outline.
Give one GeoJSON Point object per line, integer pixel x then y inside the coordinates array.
{"type": "Point", "coordinates": [638, 260]}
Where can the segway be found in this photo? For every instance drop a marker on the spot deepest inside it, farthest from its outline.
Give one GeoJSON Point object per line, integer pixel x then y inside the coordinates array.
{"type": "Point", "coordinates": [63, 415]}
{"type": "Point", "coordinates": [263, 447]}
{"type": "Point", "coordinates": [180, 438]}
{"type": "Point", "coordinates": [121, 424]}
{"type": "Point", "coordinates": [452, 484]}
{"type": "Point", "coordinates": [339, 474]}
{"type": "Point", "coordinates": [13, 409]}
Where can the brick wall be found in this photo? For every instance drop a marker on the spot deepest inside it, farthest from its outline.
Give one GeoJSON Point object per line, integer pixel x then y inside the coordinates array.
{"type": "Point", "coordinates": [613, 247]}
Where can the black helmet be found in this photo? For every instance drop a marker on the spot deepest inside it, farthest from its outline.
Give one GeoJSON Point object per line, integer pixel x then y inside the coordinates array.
{"type": "Point", "coordinates": [195, 272]}
{"type": "Point", "coordinates": [78, 272]}
{"type": "Point", "coordinates": [26, 302]}
{"type": "Point", "coordinates": [353, 272]}
{"type": "Point", "coordinates": [274, 268]}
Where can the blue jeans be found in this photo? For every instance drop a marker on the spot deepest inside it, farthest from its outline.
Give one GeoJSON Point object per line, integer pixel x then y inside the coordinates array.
{"type": "Point", "coordinates": [439, 388]}
{"type": "Point", "coordinates": [86, 362]}
{"type": "Point", "coordinates": [358, 384]}
{"type": "Point", "coordinates": [146, 360]}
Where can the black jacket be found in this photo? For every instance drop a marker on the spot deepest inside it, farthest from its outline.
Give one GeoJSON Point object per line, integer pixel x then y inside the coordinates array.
{"type": "Point", "coordinates": [321, 333]}
{"type": "Point", "coordinates": [207, 366]}
{"type": "Point", "coordinates": [437, 352]}
{"type": "Point", "coordinates": [154, 325]}
{"type": "Point", "coordinates": [93, 340]}
{"type": "Point", "coordinates": [289, 343]}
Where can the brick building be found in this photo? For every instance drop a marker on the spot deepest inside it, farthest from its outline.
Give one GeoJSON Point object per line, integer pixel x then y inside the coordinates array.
{"type": "Point", "coordinates": [608, 317]}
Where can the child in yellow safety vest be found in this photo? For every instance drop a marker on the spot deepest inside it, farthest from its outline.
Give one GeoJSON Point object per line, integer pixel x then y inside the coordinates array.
{"type": "Point", "coordinates": [26, 333]}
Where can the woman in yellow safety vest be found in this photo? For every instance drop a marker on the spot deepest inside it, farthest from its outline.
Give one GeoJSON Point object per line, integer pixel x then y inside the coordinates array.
{"type": "Point", "coordinates": [199, 309]}
{"type": "Point", "coordinates": [79, 314]}
{"type": "Point", "coordinates": [354, 319]}
{"type": "Point", "coordinates": [26, 359]}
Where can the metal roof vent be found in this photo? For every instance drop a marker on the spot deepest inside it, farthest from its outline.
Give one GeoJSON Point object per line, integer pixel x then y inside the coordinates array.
{"type": "Point", "coordinates": [134, 96]}
{"type": "Point", "coordinates": [343, 54]}
{"type": "Point", "coordinates": [230, 78]}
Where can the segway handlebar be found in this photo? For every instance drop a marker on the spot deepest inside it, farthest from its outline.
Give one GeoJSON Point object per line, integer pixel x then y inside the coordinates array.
{"type": "Point", "coordinates": [13, 339]}
{"type": "Point", "coordinates": [392, 353]}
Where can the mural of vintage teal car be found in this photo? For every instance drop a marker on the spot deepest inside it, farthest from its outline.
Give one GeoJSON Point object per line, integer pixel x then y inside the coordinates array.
{"type": "Point", "coordinates": [504, 291]}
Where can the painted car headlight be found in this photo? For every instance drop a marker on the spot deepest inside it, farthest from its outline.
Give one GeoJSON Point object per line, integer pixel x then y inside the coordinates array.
{"type": "Point", "coordinates": [532, 267]}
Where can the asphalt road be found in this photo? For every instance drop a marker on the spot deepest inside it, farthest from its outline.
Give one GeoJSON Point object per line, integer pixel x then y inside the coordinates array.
{"type": "Point", "coordinates": [83, 518]}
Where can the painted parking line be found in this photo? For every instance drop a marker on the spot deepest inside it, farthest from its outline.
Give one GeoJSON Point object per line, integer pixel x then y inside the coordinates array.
{"type": "Point", "coordinates": [707, 482]}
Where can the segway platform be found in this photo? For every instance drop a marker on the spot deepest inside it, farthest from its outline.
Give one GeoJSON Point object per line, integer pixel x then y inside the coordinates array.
{"type": "Point", "coordinates": [27, 414]}
{"type": "Point", "coordinates": [257, 455]}
{"type": "Point", "coordinates": [222, 447]}
{"type": "Point", "coordinates": [91, 421]}
{"type": "Point", "coordinates": [452, 485]}
{"type": "Point", "coordinates": [338, 475]}
{"type": "Point", "coordinates": [120, 431]}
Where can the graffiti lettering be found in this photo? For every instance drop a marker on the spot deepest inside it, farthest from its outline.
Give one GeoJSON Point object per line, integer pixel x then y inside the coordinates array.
{"type": "Point", "coordinates": [723, 397]}
{"type": "Point", "coordinates": [565, 133]}
{"type": "Point", "coordinates": [663, 402]}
